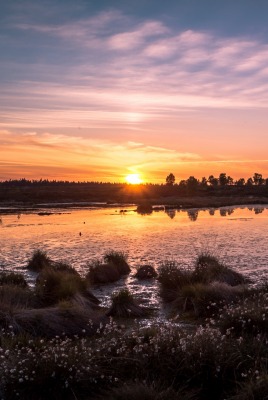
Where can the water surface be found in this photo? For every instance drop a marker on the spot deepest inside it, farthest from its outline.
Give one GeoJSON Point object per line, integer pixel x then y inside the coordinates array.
{"type": "Point", "coordinates": [237, 235]}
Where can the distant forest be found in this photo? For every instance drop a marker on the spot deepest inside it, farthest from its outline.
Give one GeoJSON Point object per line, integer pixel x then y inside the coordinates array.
{"type": "Point", "coordinates": [44, 190]}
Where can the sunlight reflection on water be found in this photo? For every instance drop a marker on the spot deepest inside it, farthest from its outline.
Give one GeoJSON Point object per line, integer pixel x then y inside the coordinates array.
{"type": "Point", "coordinates": [237, 235]}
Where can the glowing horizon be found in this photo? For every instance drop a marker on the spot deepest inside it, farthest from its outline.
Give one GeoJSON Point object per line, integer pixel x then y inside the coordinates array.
{"type": "Point", "coordinates": [108, 91]}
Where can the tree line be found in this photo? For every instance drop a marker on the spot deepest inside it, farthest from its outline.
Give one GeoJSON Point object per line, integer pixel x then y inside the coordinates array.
{"type": "Point", "coordinates": [222, 180]}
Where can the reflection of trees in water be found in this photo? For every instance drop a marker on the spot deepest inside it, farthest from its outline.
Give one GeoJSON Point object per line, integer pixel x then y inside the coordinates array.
{"type": "Point", "coordinates": [258, 210]}
{"type": "Point", "coordinates": [1, 221]}
{"type": "Point", "coordinates": [192, 214]}
{"type": "Point", "coordinates": [223, 212]}
{"type": "Point", "coordinates": [18, 216]}
{"type": "Point", "coordinates": [211, 211]}
{"type": "Point", "coordinates": [230, 211]}
{"type": "Point", "coordinates": [250, 208]}
{"type": "Point", "coordinates": [171, 213]}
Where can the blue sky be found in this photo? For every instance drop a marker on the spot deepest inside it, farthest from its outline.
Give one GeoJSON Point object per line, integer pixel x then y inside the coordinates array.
{"type": "Point", "coordinates": [101, 89]}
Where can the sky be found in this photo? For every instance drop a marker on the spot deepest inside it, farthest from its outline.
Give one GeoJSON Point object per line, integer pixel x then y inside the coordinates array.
{"type": "Point", "coordinates": [100, 89]}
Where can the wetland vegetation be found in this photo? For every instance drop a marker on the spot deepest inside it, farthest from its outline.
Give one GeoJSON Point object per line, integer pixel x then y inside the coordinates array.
{"type": "Point", "coordinates": [57, 340]}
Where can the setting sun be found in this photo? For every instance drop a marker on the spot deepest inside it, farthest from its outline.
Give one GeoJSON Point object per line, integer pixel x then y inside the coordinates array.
{"type": "Point", "coordinates": [133, 179]}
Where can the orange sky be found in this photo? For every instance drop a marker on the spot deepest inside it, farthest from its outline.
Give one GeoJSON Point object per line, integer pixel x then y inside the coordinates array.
{"type": "Point", "coordinates": [102, 93]}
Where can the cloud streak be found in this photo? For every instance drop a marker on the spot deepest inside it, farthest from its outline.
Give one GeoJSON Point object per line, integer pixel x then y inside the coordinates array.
{"type": "Point", "coordinates": [117, 88]}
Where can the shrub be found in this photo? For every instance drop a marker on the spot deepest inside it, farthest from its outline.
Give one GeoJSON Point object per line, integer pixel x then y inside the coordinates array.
{"type": "Point", "coordinates": [124, 305]}
{"type": "Point", "coordinates": [119, 259]}
{"type": "Point", "coordinates": [12, 278]}
{"type": "Point", "coordinates": [146, 272]}
{"type": "Point", "coordinates": [38, 261]}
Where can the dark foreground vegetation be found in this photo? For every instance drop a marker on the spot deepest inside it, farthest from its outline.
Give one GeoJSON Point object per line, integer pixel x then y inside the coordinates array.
{"type": "Point", "coordinates": [57, 342]}
{"type": "Point", "coordinates": [211, 191]}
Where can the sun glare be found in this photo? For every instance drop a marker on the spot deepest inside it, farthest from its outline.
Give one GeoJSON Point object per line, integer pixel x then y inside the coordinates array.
{"type": "Point", "coordinates": [133, 179]}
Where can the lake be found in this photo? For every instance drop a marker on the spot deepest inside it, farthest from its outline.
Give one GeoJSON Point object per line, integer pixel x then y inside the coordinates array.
{"type": "Point", "coordinates": [237, 235]}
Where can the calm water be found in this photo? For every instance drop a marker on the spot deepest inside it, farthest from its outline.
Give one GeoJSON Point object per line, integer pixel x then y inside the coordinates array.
{"type": "Point", "coordinates": [238, 236]}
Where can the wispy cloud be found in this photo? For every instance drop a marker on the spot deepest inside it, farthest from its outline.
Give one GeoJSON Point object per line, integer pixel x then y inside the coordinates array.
{"type": "Point", "coordinates": [123, 88]}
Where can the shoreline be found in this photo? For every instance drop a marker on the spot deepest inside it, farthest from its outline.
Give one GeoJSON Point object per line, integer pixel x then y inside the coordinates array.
{"type": "Point", "coordinates": [184, 203]}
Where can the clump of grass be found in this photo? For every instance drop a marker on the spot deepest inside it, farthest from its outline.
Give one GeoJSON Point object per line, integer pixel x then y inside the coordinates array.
{"type": "Point", "coordinates": [205, 300]}
{"type": "Point", "coordinates": [202, 291]}
{"type": "Point", "coordinates": [208, 269]}
{"type": "Point", "coordinates": [12, 278]}
{"type": "Point", "coordinates": [172, 278]}
{"type": "Point", "coordinates": [146, 272]}
{"type": "Point", "coordinates": [119, 259]}
{"type": "Point", "coordinates": [124, 305]}
{"type": "Point", "coordinates": [16, 296]}
{"type": "Point", "coordinates": [53, 286]}
{"type": "Point", "coordinates": [38, 261]}
{"type": "Point", "coordinates": [102, 273]}
{"type": "Point", "coordinates": [65, 320]}
{"type": "Point", "coordinates": [63, 267]}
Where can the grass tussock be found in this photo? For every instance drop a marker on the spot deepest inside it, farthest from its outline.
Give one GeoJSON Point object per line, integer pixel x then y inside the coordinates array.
{"type": "Point", "coordinates": [124, 306]}
{"type": "Point", "coordinates": [54, 286]}
{"type": "Point", "coordinates": [111, 269]}
{"type": "Point", "coordinates": [38, 261]}
{"type": "Point", "coordinates": [64, 320]}
{"type": "Point", "coordinates": [99, 272]}
{"type": "Point", "coordinates": [202, 291]}
{"type": "Point", "coordinates": [119, 259]}
{"type": "Point", "coordinates": [208, 269]}
{"type": "Point", "coordinates": [203, 300]}
{"type": "Point", "coordinates": [16, 297]}
{"type": "Point", "coordinates": [146, 272]}
{"type": "Point", "coordinates": [12, 278]}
